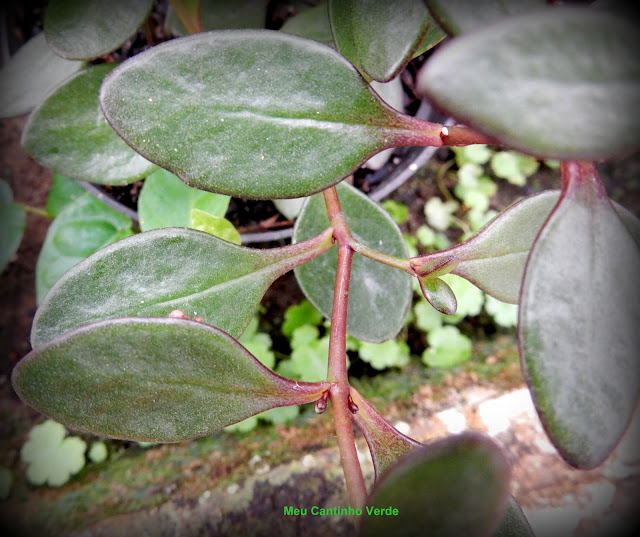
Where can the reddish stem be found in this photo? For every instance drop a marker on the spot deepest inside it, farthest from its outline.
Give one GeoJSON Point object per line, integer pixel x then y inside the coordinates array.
{"type": "Point", "coordinates": [337, 367]}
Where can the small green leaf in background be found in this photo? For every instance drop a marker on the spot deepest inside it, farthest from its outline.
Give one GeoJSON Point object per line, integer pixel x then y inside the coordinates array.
{"type": "Point", "coordinates": [398, 211]}
{"type": "Point", "coordinates": [258, 344]}
{"type": "Point", "coordinates": [299, 315]}
{"type": "Point", "coordinates": [152, 380]}
{"type": "Point", "coordinates": [579, 316]}
{"type": "Point", "coordinates": [98, 452]}
{"type": "Point", "coordinates": [83, 227]}
{"type": "Point", "coordinates": [312, 23]}
{"type": "Point", "coordinates": [6, 480]}
{"type": "Point", "coordinates": [86, 29]}
{"type": "Point", "coordinates": [391, 353]}
{"type": "Point", "coordinates": [380, 37]}
{"type": "Point", "coordinates": [63, 191]}
{"type": "Point", "coordinates": [68, 134]}
{"type": "Point", "coordinates": [472, 154]}
{"type": "Point", "coordinates": [505, 315]}
{"type": "Point", "coordinates": [13, 221]}
{"type": "Point", "coordinates": [379, 295]}
{"type": "Point", "coordinates": [309, 355]}
{"type": "Point", "coordinates": [222, 124]}
{"type": "Point", "coordinates": [52, 458]}
{"type": "Point", "coordinates": [239, 14]}
{"type": "Point", "coordinates": [430, 238]}
{"type": "Point", "coordinates": [448, 347]}
{"type": "Point", "coordinates": [30, 74]}
{"type": "Point", "coordinates": [440, 213]}
{"type": "Point", "coordinates": [451, 487]}
{"type": "Point", "coordinates": [493, 77]}
{"type": "Point", "coordinates": [214, 225]}
{"type": "Point", "coordinates": [165, 201]}
{"type": "Point", "coordinates": [158, 271]}
{"type": "Point", "coordinates": [457, 16]}
{"type": "Point", "coordinates": [474, 188]}
{"type": "Point", "coordinates": [427, 318]}
{"type": "Point", "coordinates": [513, 166]}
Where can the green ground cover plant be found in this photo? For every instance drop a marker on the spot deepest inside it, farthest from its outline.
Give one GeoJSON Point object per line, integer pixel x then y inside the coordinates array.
{"type": "Point", "coordinates": [142, 340]}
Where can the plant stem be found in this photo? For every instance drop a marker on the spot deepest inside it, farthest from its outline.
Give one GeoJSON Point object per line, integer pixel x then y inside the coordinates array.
{"type": "Point", "coordinates": [337, 367]}
{"type": "Point", "coordinates": [459, 135]}
{"type": "Point", "coordinates": [34, 210]}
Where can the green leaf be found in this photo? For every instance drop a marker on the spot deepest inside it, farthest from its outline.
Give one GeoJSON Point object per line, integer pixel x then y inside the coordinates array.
{"type": "Point", "coordinates": [82, 228]}
{"type": "Point", "coordinates": [505, 315]}
{"type": "Point", "coordinates": [379, 295]}
{"type": "Point", "coordinates": [98, 452]}
{"type": "Point", "coordinates": [210, 108]}
{"type": "Point", "coordinates": [299, 315]}
{"type": "Point", "coordinates": [578, 325]}
{"type": "Point", "coordinates": [165, 201]}
{"type": "Point", "coordinates": [514, 523]}
{"type": "Point", "coordinates": [398, 211]}
{"type": "Point", "coordinates": [532, 94]}
{"type": "Point", "coordinates": [470, 299]}
{"type": "Point", "coordinates": [214, 225]}
{"type": "Point", "coordinates": [440, 213]}
{"type": "Point", "coordinates": [30, 74]}
{"type": "Point", "coordinates": [457, 16]}
{"type": "Point", "coordinates": [427, 318]}
{"type": "Point", "coordinates": [447, 347]}
{"type": "Point", "coordinates": [386, 443]}
{"type": "Point", "coordinates": [380, 37]}
{"type": "Point", "coordinates": [280, 415]}
{"type": "Point", "coordinates": [455, 486]}
{"type": "Point", "coordinates": [472, 154]}
{"type": "Point", "coordinates": [156, 272]}
{"type": "Point", "coordinates": [52, 458]}
{"type": "Point", "coordinates": [391, 353]}
{"type": "Point", "coordinates": [182, 379]}
{"type": "Point", "coordinates": [216, 15]}
{"type": "Point", "coordinates": [13, 222]}
{"type": "Point", "coordinates": [86, 29]}
{"type": "Point", "coordinates": [439, 295]}
{"type": "Point", "coordinates": [513, 166]}
{"type": "Point", "coordinates": [309, 356]}
{"type": "Point", "coordinates": [68, 134]}
{"type": "Point", "coordinates": [63, 192]}
{"type": "Point", "coordinates": [312, 23]}
{"type": "Point", "coordinates": [494, 259]}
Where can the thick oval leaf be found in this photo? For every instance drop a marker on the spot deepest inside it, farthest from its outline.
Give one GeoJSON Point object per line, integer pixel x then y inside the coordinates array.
{"type": "Point", "coordinates": [152, 380]}
{"type": "Point", "coordinates": [514, 523]}
{"type": "Point", "coordinates": [578, 322]}
{"type": "Point", "coordinates": [494, 259]}
{"type": "Point", "coordinates": [380, 37]}
{"type": "Point", "coordinates": [458, 16]}
{"type": "Point", "coordinates": [30, 75]}
{"type": "Point", "coordinates": [81, 229]}
{"type": "Point", "coordinates": [68, 134]}
{"type": "Point", "coordinates": [165, 201]}
{"type": "Point", "coordinates": [13, 221]}
{"type": "Point", "coordinates": [86, 29]}
{"type": "Point", "coordinates": [386, 444]}
{"type": "Point", "coordinates": [254, 114]}
{"type": "Point", "coordinates": [567, 95]}
{"type": "Point", "coordinates": [156, 272]}
{"type": "Point", "coordinates": [455, 486]}
{"type": "Point", "coordinates": [379, 295]}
